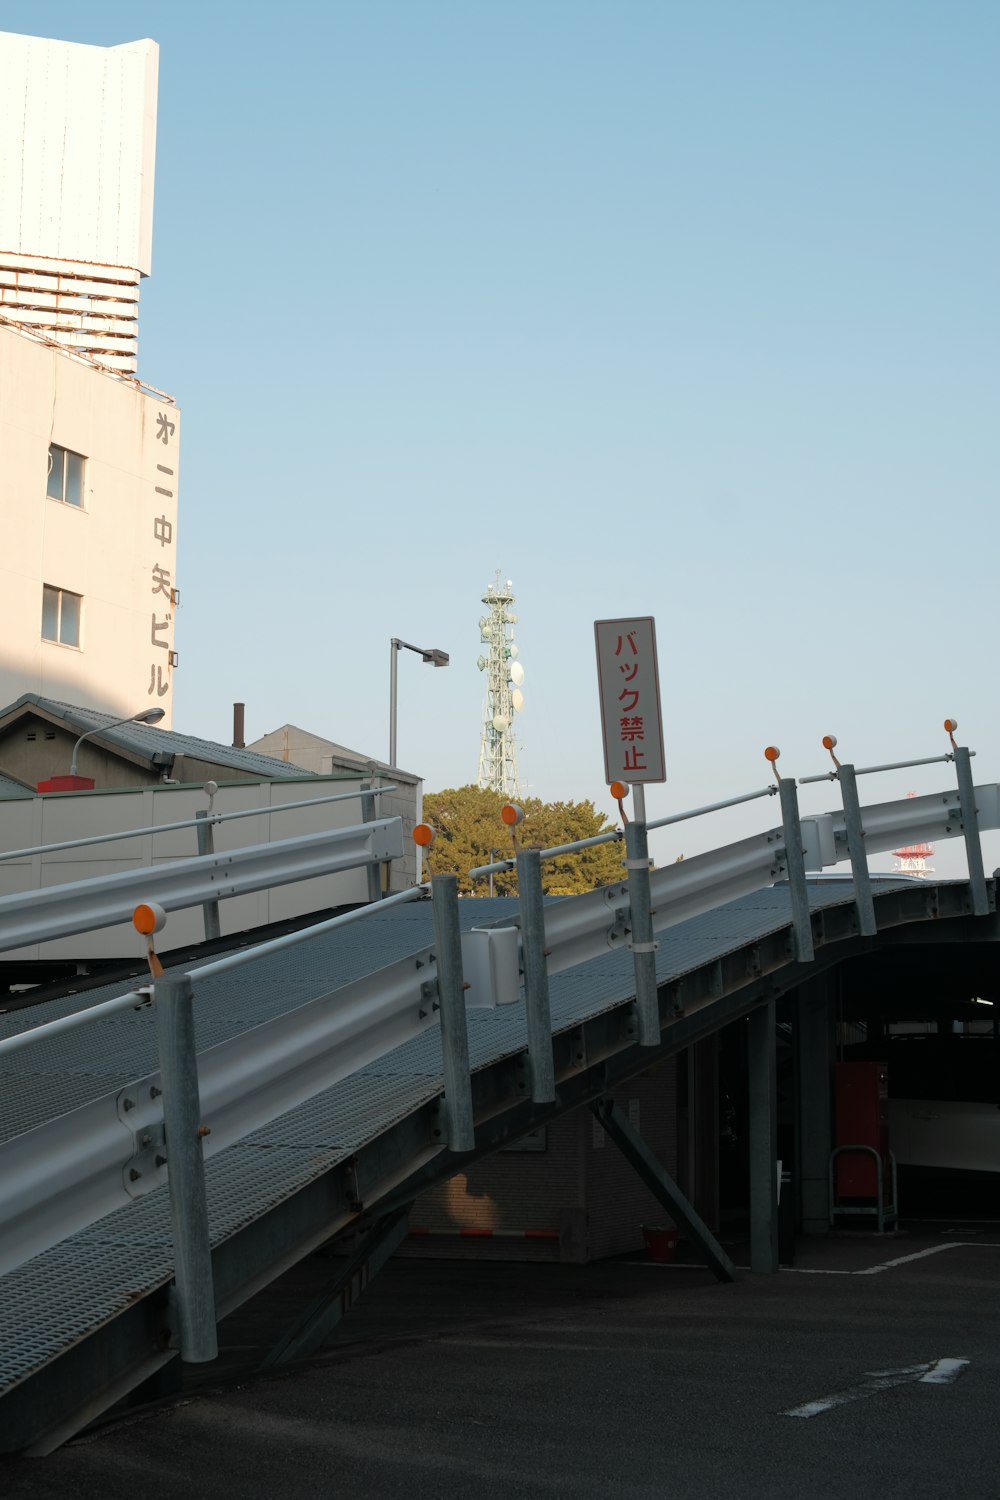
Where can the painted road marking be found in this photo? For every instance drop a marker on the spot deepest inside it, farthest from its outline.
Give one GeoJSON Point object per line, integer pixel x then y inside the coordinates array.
{"type": "Point", "coordinates": [934, 1372]}
{"type": "Point", "coordinates": [885, 1265]}
{"type": "Point", "coordinates": [814, 1271]}
{"type": "Point", "coordinates": [903, 1260]}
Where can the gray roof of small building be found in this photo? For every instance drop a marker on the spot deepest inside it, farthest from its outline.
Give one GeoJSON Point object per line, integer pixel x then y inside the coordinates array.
{"type": "Point", "coordinates": [147, 740]}
{"type": "Point", "coordinates": [9, 788]}
{"type": "Point", "coordinates": [342, 753]}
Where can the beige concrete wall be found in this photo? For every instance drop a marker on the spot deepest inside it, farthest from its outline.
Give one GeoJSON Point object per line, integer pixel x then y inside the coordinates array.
{"type": "Point", "coordinates": [108, 552]}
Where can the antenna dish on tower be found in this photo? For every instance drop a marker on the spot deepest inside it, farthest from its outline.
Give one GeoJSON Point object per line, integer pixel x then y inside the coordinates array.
{"type": "Point", "coordinates": [516, 673]}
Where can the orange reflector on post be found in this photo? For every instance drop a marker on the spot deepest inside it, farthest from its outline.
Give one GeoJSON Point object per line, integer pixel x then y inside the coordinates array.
{"type": "Point", "coordinates": [148, 918]}
{"type": "Point", "coordinates": [511, 814]}
{"type": "Point", "coordinates": [619, 789]}
{"type": "Point", "coordinates": [772, 753]}
{"type": "Point", "coordinates": [829, 742]}
{"type": "Point", "coordinates": [423, 835]}
{"type": "Point", "coordinates": [951, 725]}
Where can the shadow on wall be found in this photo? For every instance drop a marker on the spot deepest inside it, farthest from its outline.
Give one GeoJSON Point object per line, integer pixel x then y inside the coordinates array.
{"type": "Point", "coordinates": [18, 676]}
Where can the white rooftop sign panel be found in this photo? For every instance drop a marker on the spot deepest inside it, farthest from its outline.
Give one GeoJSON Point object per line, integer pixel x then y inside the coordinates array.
{"type": "Point", "coordinates": [77, 149]}
{"type": "Point", "coordinates": [629, 682]}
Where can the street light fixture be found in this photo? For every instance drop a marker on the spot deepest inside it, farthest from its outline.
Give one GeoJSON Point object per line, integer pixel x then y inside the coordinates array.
{"type": "Point", "coordinates": [145, 716]}
{"type": "Point", "coordinates": [433, 656]}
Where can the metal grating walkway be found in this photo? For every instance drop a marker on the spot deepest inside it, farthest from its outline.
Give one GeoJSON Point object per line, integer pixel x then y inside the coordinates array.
{"type": "Point", "coordinates": [60, 1297]}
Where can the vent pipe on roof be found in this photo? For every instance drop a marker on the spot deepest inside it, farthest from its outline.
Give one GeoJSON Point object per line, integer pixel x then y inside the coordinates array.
{"type": "Point", "coordinates": [239, 743]}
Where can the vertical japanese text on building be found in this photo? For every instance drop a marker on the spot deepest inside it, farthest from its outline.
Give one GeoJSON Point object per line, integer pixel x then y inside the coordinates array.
{"type": "Point", "coordinates": [165, 595]}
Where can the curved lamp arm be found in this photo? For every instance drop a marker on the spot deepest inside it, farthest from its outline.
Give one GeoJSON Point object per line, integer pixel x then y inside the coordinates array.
{"type": "Point", "coordinates": [145, 716]}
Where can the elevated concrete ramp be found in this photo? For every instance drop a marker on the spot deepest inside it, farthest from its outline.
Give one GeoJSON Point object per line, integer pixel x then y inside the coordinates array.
{"type": "Point", "coordinates": [89, 1320]}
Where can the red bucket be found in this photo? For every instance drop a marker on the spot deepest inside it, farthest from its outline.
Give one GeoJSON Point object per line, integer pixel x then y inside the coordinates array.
{"type": "Point", "coordinates": [660, 1243]}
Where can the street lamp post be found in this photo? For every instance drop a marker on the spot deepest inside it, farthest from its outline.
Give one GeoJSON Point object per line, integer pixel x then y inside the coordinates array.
{"type": "Point", "coordinates": [145, 716]}
{"type": "Point", "coordinates": [433, 656]}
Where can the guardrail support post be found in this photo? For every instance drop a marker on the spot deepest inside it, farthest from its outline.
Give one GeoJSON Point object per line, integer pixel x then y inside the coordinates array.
{"type": "Point", "coordinates": [795, 865]}
{"type": "Point", "coordinates": [536, 976]}
{"type": "Point", "coordinates": [195, 1294]}
{"type": "Point", "coordinates": [867, 926]}
{"type": "Point", "coordinates": [206, 845]}
{"type": "Point", "coordinates": [454, 1029]}
{"type": "Point", "coordinates": [643, 945]}
{"type": "Point", "coordinates": [970, 827]}
{"type": "Point", "coordinates": [373, 872]}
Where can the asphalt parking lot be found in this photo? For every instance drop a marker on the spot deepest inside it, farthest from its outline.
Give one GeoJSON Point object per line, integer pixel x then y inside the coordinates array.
{"type": "Point", "coordinates": [872, 1368]}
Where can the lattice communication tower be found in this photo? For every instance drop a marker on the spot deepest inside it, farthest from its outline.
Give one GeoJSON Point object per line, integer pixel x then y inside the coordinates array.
{"type": "Point", "coordinates": [503, 699]}
{"type": "Point", "coordinates": [913, 859]}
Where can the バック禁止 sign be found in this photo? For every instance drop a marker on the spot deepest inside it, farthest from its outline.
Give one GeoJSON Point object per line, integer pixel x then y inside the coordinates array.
{"type": "Point", "coordinates": [629, 684]}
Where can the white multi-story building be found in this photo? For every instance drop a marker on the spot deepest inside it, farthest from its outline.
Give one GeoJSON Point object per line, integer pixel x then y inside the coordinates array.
{"type": "Point", "coordinates": [77, 148]}
{"type": "Point", "coordinates": [88, 454]}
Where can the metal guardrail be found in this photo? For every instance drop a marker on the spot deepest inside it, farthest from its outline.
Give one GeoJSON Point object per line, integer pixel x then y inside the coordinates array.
{"type": "Point", "coordinates": [135, 999]}
{"type": "Point", "coordinates": [69, 1172]}
{"type": "Point", "coordinates": [88, 905]}
{"type": "Point", "coordinates": [199, 821]}
{"type": "Point", "coordinates": [73, 1169]}
{"type": "Point", "coordinates": [614, 835]}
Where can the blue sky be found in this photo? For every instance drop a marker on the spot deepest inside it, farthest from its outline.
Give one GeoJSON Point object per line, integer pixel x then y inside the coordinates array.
{"type": "Point", "coordinates": [690, 310]}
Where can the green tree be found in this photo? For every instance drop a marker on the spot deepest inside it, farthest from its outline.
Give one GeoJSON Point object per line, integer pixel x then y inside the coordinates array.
{"type": "Point", "coordinates": [469, 831]}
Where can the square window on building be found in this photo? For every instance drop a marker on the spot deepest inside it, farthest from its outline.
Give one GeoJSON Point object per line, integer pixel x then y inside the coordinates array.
{"type": "Point", "coordinates": [65, 480]}
{"type": "Point", "coordinates": [61, 616]}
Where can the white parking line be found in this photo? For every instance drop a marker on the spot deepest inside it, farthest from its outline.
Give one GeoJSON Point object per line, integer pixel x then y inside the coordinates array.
{"type": "Point", "coordinates": [885, 1265]}
{"type": "Point", "coordinates": [944, 1372]}
{"type": "Point", "coordinates": [814, 1271]}
{"type": "Point", "coordinates": [902, 1260]}
{"type": "Point", "coordinates": [934, 1372]}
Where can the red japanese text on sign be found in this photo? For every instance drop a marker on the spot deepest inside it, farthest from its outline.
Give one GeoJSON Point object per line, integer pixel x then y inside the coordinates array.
{"type": "Point", "coordinates": [629, 684]}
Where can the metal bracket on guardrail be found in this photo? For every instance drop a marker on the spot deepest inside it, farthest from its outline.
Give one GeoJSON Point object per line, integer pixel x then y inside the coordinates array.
{"type": "Point", "coordinates": [454, 1029]}
{"type": "Point", "coordinates": [141, 1112]}
{"type": "Point", "coordinates": [642, 944]}
{"type": "Point", "coordinates": [536, 976]}
{"type": "Point", "coordinates": [617, 934]}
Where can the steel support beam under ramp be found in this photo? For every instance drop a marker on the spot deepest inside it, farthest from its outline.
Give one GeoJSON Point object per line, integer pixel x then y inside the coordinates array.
{"type": "Point", "coordinates": [663, 1187]}
{"type": "Point", "coordinates": [310, 1331]}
